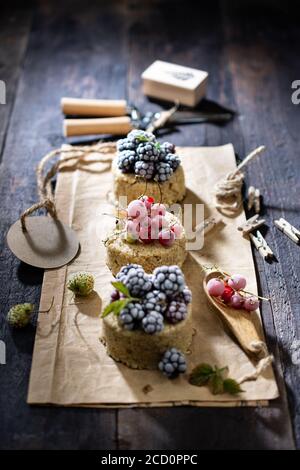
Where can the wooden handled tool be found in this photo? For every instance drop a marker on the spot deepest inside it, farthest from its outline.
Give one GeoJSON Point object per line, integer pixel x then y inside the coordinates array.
{"type": "Point", "coordinates": [239, 321]}
{"type": "Point", "coordinates": [88, 107]}
{"type": "Point", "coordinates": [112, 125]}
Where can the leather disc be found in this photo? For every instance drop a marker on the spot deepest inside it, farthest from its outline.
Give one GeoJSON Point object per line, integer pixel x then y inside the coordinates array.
{"type": "Point", "coordinates": [47, 243]}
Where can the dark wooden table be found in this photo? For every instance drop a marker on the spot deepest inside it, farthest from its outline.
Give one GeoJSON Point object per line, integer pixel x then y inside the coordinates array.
{"type": "Point", "coordinates": [99, 49]}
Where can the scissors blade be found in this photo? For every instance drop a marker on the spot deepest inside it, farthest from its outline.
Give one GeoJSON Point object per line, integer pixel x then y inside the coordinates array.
{"type": "Point", "coordinates": [190, 117]}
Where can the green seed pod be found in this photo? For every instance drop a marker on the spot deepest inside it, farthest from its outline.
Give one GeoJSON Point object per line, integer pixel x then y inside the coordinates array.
{"type": "Point", "coordinates": [19, 315]}
{"type": "Point", "coordinates": [81, 283]}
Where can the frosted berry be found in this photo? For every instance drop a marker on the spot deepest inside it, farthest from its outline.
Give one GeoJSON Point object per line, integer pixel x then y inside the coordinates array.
{"type": "Point", "coordinates": [137, 136]}
{"type": "Point", "coordinates": [121, 276]}
{"type": "Point", "coordinates": [177, 229]}
{"type": "Point", "coordinates": [236, 301]}
{"type": "Point", "coordinates": [227, 294]}
{"type": "Point", "coordinates": [81, 283]}
{"type": "Point", "coordinates": [169, 279]}
{"type": "Point", "coordinates": [160, 221]}
{"type": "Point", "coordinates": [136, 280]}
{"type": "Point", "coordinates": [251, 303]}
{"type": "Point", "coordinates": [215, 287]}
{"type": "Point", "coordinates": [163, 172]}
{"type": "Point", "coordinates": [115, 295]}
{"type": "Point", "coordinates": [176, 312]}
{"type": "Point", "coordinates": [155, 301]}
{"type": "Point", "coordinates": [144, 169]}
{"type": "Point", "coordinates": [158, 209]}
{"type": "Point", "coordinates": [237, 281]}
{"type": "Point", "coordinates": [166, 237]}
{"type": "Point", "coordinates": [131, 315]}
{"type": "Point", "coordinates": [148, 152]}
{"type": "Point", "coordinates": [136, 210]}
{"type": "Point", "coordinates": [185, 295]}
{"type": "Point", "coordinates": [19, 315]}
{"type": "Point", "coordinates": [125, 144]}
{"type": "Point", "coordinates": [173, 160]}
{"type": "Point", "coordinates": [126, 160]}
{"type": "Point", "coordinates": [153, 322]}
{"type": "Point", "coordinates": [148, 201]}
{"type": "Point", "coordinates": [167, 147]}
{"type": "Point", "coordinates": [172, 363]}
{"type": "Point", "coordinates": [145, 235]}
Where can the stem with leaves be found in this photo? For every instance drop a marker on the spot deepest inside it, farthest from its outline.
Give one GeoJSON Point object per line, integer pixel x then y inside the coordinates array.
{"type": "Point", "coordinates": [117, 305]}
{"type": "Point", "coordinates": [205, 374]}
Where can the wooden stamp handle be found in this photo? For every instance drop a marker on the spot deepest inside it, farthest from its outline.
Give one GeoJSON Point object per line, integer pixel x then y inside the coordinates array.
{"type": "Point", "coordinates": [87, 107]}
{"type": "Point", "coordinates": [114, 125]}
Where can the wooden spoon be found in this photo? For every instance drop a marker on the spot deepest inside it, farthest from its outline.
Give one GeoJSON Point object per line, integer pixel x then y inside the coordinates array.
{"type": "Point", "coordinates": [239, 321]}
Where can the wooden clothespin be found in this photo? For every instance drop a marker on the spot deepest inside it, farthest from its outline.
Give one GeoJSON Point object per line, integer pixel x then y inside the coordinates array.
{"type": "Point", "coordinates": [261, 245]}
{"type": "Point", "coordinates": [254, 199]}
{"type": "Point", "coordinates": [251, 224]}
{"type": "Point", "coordinates": [288, 229]}
{"type": "Point", "coordinates": [208, 224]}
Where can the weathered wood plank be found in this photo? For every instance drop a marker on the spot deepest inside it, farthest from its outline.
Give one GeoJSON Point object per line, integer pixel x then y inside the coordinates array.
{"type": "Point", "coordinates": [70, 52]}
{"type": "Point", "coordinates": [263, 66]}
{"type": "Point", "coordinates": [14, 32]}
{"type": "Point", "coordinates": [196, 37]}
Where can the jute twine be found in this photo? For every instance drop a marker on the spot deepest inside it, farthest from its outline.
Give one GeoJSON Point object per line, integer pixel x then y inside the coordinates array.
{"type": "Point", "coordinates": [77, 155]}
{"type": "Point", "coordinates": [228, 192]}
{"type": "Point", "coordinates": [259, 348]}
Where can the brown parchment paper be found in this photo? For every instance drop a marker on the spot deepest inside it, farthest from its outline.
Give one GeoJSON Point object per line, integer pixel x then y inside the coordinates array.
{"type": "Point", "coordinates": [70, 366]}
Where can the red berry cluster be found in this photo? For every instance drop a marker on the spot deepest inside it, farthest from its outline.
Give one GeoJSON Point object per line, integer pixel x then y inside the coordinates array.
{"type": "Point", "coordinates": [147, 222]}
{"type": "Point", "coordinates": [230, 291]}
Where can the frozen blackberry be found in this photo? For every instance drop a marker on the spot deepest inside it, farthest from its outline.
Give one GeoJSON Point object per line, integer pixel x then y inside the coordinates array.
{"type": "Point", "coordinates": [137, 136]}
{"type": "Point", "coordinates": [144, 169]}
{"type": "Point", "coordinates": [173, 160]}
{"type": "Point", "coordinates": [155, 301]}
{"type": "Point", "coordinates": [167, 147]}
{"type": "Point", "coordinates": [126, 160]}
{"type": "Point", "coordinates": [131, 315]}
{"type": "Point", "coordinates": [136, 280]}
{"type": "Point", "coordinates": [148, 152]}
{"type": "Point", "coordinates": [172, 363]}
{"type": "Point", "coordinates": [169, 279]}
{"type": "Point", "coordinates": [176, 311]}
{"type": "Point", "coordinates": [185, 296]}
{"type": "Point", "coordinates": [125, 144]}
{"type": "Point", "coordinates": [153, 322]}
{"type": "Point", "coordinates": [163, 172]}
{"type": "Point", "coordinates": [121, 276]}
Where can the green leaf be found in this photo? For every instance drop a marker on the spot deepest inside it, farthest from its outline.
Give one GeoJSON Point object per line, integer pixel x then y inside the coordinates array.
{"type": "Point", "coordinates": [201, 374]}
{"type": "Point", "coordinates": [231, 386]}
{"type": "Point", "coordinates": [121, 288]}
{"type": "Point", "coordinates": [216, 383]}
{"type": "Point", "coordinates": [115, 307]}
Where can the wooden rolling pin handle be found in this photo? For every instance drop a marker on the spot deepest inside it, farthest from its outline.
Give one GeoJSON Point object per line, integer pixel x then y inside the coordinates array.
{"type": "Point", "coordinates": [114, 126]}
{"type": "Point", "coordinates": [87, 107]}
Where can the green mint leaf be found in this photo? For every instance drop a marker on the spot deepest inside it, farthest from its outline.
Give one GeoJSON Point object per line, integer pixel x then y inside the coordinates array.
{"type": "Point", "coordinates": [115, 307]}
{"type": "Point", "coordinates": [201, 374]}
{"type": "Point", "coordinates": [157, 145]}
{"type": "Point", "coordinates": [231, 386]}
{"type": "Point", "coordinates": [216, 383]}
{"type": "Point", "coordinates": [121, 288]}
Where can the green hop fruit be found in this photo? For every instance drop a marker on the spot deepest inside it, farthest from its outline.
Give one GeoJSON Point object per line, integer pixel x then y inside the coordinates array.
{"type": "Point", "coordinates": [19, 315]}
{"type": "Point", "coordinates": [81, 283]}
